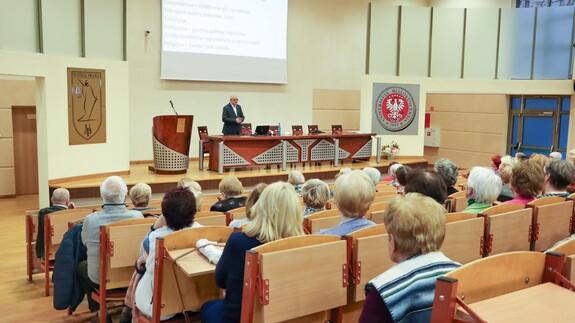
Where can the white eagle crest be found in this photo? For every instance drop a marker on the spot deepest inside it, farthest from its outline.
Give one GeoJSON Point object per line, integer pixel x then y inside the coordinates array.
{"type": "Point", "coordinates": [394, 108]}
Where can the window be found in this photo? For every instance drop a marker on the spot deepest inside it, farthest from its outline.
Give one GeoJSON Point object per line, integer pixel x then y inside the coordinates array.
{"type": "Point", "coordinates": [544, 3]}
{"type": "Point", "coordinates": [538, 124]}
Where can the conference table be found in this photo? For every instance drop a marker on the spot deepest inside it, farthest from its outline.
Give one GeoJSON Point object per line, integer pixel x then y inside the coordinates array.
{"type": "Point", "coordinates": [257, 151]}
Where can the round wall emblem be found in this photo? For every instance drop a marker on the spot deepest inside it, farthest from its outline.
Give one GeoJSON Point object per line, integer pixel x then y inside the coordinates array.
{"type": "Point", "coordinates": [395, 108]}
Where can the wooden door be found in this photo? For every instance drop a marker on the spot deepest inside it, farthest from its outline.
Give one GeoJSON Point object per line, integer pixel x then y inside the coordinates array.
{"type": "Point", "coordinates": [25, 150]}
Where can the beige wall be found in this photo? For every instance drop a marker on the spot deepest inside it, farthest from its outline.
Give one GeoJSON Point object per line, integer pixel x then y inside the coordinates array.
{"type": "Point", "coordinates": [56, 159]}
{"type": "Point", "coordinates": [472, 127]}
{"type": "Point", "coordinates": [326, 51]}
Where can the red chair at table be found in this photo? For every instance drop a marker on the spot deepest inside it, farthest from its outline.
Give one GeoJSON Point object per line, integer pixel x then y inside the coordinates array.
{"type": "Point", "coordinates": [203, 132]}
{"type": "Point", "coordinates": [336, 129]}
{"type": "Point", "coordinates": [246, 129]}
{"type": "Point", "coordinates": [297, 130]}
{"type": "Point", "coordinates": [312, 129]}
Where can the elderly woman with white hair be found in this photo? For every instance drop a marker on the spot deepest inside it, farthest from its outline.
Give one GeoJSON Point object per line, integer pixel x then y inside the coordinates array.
{"type": "Point", "coordinates": [483, 188]}
{"type": "Point", "coordinates": [373, 174]}
{"type": "Point", "coordinates": [448, 171]}
{"type": "Point", "coordinates": [296, 179]}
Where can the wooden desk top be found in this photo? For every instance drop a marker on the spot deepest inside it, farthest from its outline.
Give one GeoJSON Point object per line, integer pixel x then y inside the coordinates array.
{"type": "Point", "coordinates": [292, 137]}
{"type": "Point", "coordinates": [542, 303]}
{"type": "Point", "coordinates": [194, 263]}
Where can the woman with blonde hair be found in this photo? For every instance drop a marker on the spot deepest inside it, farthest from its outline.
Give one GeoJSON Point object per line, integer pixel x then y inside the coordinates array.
{"type": "Point", "coordinates": [195, 188]}
{"type": "Point", "coordinates": [354, 193]}
{"type": "Point", "coordinates": [276, 215]}
{"type": "Point", "coordinates": [252, 199]}
{"type": "Point", "coordinates": [231, 189]}
{"type": "Point", "coordinates": [507, 163]}
{"type": "Point", "coordinates": [140, 195]}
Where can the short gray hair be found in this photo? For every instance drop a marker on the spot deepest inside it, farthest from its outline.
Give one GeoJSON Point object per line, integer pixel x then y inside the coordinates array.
{"type": "Point", "coordinates": [560, 173]}
{"type": "Point", "coordinates": [448, 171]}
{"type": "Point", "coordinates": [485, 183]}
{"type": "Point", "coordinates": [373, 174]}
{"type": "Point", "coordinates": [60, 196]}
{"type": "Point", "coordinates": [113, 190]}
{"type": "Point", "coordinates": [315, 193]}
{"type": "Point", "coordinates": [295, 177]}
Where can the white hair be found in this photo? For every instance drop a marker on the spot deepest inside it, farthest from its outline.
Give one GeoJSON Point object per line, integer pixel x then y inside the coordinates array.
{"type": "Point", "coordinates": [485, 183]}
{"type": "Point", "coordinates": [373, 174]}
{"type": "Point", "coordinates": [556, 154]}
{"type": "Point", "coordinates": [60, 196]}
{"type": "Point", "coordinates": [295, 177]}
{"type": "Point", "coordinates": [113, 190]}
{"type": "Point", "coordinates": [393, 168]}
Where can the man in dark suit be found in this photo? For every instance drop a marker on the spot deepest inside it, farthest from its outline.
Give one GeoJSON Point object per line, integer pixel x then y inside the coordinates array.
{"type": "Point", "coordinates": [232, 116]}
{"type": "Point", "coordinates": [60, 201]}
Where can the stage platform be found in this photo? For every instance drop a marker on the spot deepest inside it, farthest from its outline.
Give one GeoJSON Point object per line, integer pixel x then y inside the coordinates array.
{"type": "Point", "coordinates": [89, 186]}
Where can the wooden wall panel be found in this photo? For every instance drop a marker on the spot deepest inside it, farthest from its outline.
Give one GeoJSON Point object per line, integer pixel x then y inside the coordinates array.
{"type": "Point", "coordinates": [336, 107]}
{"type": "Point", "coordinates": [469, 122]}
{"type": "Point", "coordinates": [479, 142]}
{"type": "Point", "coordinates": [336, 99]}
{"type": "Point", "coordinates": [17, 92]}
{"type": "Point", "coordinates": [7, 184]}
{"type": "Point", "coordinates": [472, 127]}
{"type": "Point", "coordinates": [7, 155]}
{"type": "Point", "coordinates": [463, 159]}
{"type": "Point", "coordinates": [5, 123]}
{"type": "Point", "coordinates": [325, 118]}
{"type": "Point", "coordinates": [483, 103]}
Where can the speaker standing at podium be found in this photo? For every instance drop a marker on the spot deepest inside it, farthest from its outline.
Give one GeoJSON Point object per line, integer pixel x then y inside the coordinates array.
{"type": "Point", "coordinates": [232, 116]}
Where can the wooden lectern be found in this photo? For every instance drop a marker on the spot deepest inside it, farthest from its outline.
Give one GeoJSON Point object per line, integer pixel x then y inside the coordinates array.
{"type": "Point", "coordinates": [171, 137]}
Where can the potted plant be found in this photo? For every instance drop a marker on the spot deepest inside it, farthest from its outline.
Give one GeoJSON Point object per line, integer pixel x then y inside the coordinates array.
{"type": "Point", "coordinates": [390, 150]}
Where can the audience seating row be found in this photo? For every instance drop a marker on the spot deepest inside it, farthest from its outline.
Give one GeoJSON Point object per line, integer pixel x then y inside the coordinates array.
{"type": "Point", "coordinates": [364, 257]}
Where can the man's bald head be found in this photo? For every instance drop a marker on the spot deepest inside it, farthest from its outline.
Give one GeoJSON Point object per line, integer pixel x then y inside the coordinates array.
{"type": "Point", "coordinates": [60, 196]}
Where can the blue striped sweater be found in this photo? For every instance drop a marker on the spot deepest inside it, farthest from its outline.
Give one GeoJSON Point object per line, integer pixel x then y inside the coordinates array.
{"type": "Point", "coordinates": [408, 288]}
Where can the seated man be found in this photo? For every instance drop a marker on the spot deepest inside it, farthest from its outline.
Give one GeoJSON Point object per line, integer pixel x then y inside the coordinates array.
{"type": "Point", "coordinates": [60, 201]}
{"type": "Point", "coordinates": [113, 192]}
{"type": "Point", "coordinates": [231, 189]}
{"type": "Point", "coordinates": [404, 293]}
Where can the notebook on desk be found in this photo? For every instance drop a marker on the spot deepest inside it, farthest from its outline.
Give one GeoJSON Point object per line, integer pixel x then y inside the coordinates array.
{"type": "Point", "coordinates": [262, 130]}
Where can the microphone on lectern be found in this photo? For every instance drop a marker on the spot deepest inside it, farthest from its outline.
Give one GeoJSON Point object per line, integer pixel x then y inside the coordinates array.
{"type": "Point", "coordinates": [172, 104]}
